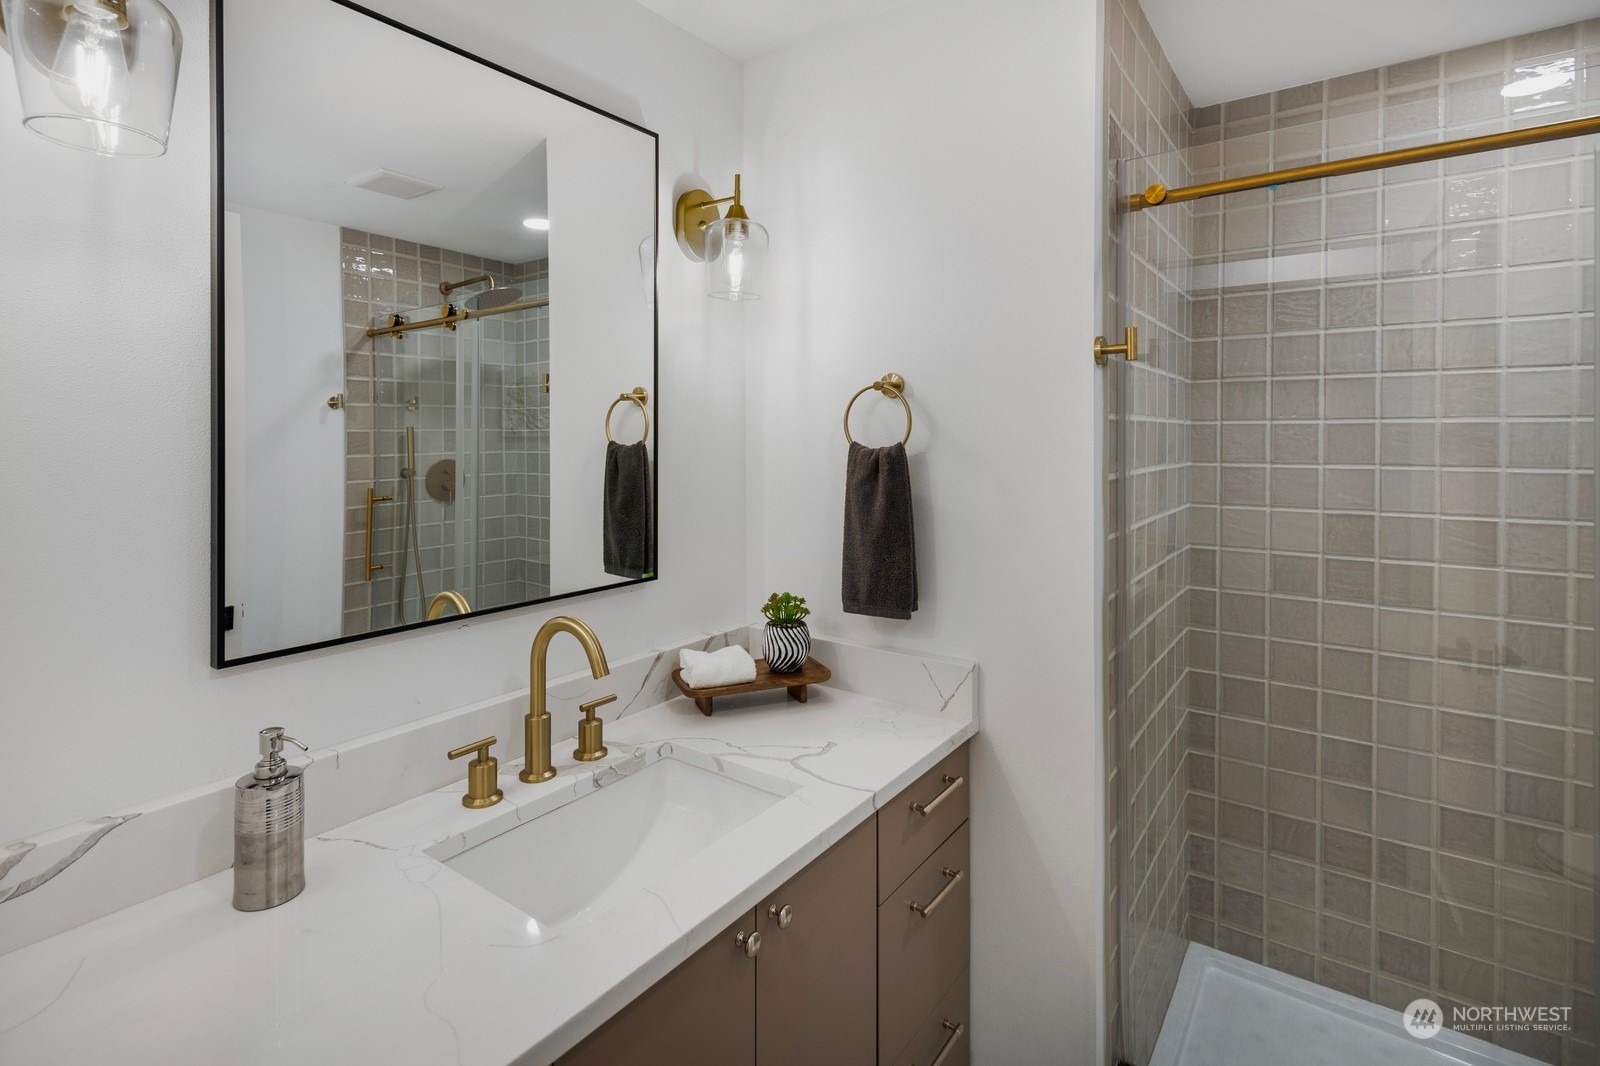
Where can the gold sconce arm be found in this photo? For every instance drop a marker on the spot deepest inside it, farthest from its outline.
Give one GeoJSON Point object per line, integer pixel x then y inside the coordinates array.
{"type": "Point", "coordinates": [697, 209]}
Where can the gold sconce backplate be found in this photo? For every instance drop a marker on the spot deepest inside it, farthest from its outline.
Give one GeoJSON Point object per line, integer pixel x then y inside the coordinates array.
{"type": "Point", "coordinates": [696, 210]}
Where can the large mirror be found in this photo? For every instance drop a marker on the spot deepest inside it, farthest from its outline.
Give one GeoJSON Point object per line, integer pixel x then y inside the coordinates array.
{"type": "Point", "coordinates": [435, 334]}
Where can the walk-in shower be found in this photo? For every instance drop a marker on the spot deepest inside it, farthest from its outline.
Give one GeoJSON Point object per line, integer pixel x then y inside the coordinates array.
{"type": "Point", "coordinates": [1351, 572]}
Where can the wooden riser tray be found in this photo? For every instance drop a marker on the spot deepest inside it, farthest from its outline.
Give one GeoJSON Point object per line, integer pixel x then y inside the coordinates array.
{"type": "Point", "coordinates": [812, 673]}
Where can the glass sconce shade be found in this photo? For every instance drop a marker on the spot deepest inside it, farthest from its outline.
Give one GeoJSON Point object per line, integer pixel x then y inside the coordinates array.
{"type": "Point", "coordinates": [96, 75]}
{"type": "Point", "coordinates": [736, 252]}
{"type": "Point", "coordinates": [647, 269]}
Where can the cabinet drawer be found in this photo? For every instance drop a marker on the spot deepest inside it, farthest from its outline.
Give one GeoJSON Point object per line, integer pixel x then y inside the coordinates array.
{"type": "Point", "coordinates": [947, 1031]}
{"type": "Point", "coordinates": [906, 835]}
{"type": "Point", "coordinates": [924, 930]}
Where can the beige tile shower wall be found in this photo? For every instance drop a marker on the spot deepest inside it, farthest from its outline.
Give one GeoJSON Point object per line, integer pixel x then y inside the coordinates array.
{"type": "Point", "coordinates": [1146, 475]}
{"type": "Point", "coordinates": [1391, 763]}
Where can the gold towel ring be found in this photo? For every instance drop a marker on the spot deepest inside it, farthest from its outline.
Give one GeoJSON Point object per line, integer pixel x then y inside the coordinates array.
{"type": "Point", "coordinates": [892, 386]}
{"type": "Point", "coordinates": [639, 396]}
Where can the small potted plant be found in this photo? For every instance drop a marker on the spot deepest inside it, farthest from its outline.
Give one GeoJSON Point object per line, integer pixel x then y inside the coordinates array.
{"type": "Point", "coordinates": [788, 640]}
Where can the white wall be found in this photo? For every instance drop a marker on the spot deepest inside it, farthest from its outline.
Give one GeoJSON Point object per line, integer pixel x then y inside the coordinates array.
{"type": "Point", "coordinates": [105, 423]}
{"type": "Point", "coordinates": [929, 180]}
{"type": "Point", "coordinates": [598, 312]}
{"type": "Point", "coordinates": [289, 577]}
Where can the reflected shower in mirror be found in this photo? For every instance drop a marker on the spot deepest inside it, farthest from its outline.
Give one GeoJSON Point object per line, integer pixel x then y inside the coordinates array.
{"type": "Point", "coordinates": [429, 304]}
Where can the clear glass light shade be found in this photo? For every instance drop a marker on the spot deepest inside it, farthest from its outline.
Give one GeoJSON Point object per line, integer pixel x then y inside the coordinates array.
{"type": "Point", "coordinates": [96, 75]}
{"type": "Point", "coordinates": [736, 253]}
{"type": "Point", "coordinates": [647, 269]}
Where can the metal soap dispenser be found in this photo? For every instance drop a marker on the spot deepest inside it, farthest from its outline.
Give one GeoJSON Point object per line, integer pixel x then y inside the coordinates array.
{"type": "Point", "coordinates": [269, 814]}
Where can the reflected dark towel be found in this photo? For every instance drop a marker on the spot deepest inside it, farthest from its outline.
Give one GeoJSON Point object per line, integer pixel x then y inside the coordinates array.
{"type": "Point", "coordinates": [880, 543]}
{"type": "Point", "coordinates": [627, 510]}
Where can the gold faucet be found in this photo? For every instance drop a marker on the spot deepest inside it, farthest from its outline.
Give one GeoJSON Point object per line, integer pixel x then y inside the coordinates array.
{"type": "Point", "coordinates": [445, 599]}
{"type": "Point", "coordinates": [536, 733]}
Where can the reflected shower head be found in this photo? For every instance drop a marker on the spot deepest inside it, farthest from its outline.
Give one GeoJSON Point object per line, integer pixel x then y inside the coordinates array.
{"type": "Point", "coordinates": [493, 298]}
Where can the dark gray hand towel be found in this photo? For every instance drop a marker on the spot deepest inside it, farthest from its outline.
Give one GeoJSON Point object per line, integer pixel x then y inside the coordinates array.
{"type": "Point", "coordinates": [880, 543]}
{"type": "Point", "coordinates": [627, 510]}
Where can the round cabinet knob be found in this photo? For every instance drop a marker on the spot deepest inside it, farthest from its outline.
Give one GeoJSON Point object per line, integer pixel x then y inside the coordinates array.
{"type": "Point", "coordinates": [783, 915]}
{"type": "Point", "coordinates": [751, 942]}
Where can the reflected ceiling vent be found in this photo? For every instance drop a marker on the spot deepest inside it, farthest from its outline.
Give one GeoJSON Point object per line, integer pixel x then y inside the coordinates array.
{"type": "Point", "coordinates": [400, 186]}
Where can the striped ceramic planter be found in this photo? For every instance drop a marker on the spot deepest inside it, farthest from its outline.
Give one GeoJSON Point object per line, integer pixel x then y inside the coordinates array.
{"type": "Point", "coordinates": [788, 645]}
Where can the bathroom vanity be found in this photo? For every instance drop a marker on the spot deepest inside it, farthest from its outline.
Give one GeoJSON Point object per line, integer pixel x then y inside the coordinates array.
{"type": "Point", "coordinates": [859, 958]}
{"type": "Point", "coordinates": [733, 889]}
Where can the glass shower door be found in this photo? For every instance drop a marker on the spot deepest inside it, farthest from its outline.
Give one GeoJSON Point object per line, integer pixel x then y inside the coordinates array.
{"type": "Point", "coordinates": [415, 533]}
{"type": "Point", "coordinates": [1355, 717]}
{"type": "Point", "coordinates": [1149, 401]}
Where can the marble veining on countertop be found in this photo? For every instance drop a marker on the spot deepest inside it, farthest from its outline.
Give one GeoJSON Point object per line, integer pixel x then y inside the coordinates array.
{"type": "Point", "coordinates": [389, 955]}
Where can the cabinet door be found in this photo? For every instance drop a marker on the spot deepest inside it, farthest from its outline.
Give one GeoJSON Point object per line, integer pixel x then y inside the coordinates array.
{"type": "Point", "coordinates": [816, 986]}
{"type": "Point", "coordinates": [701, 1014]}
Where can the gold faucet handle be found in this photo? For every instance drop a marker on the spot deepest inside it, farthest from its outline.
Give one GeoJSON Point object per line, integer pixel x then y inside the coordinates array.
{"type": "Point", "coordinates": [588, 708]}
{"type": "Point", "coordinates": [590, 738]}
{"type": "Point", "coordinates": [482, 773]}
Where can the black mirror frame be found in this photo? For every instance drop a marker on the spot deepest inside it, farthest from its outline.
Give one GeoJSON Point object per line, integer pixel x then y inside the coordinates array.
{"type": "Point", "coordinates": [221, 613]}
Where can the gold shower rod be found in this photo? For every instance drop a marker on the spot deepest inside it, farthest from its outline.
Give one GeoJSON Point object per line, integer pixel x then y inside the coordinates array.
{"type": "Point", "coordinates": [398, 325]}
{"type": "Point", "coordinates": [1422, 153]}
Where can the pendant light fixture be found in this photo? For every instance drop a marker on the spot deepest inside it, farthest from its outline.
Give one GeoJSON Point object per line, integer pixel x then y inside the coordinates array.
{"type": "Point", "coordinates": [96, 75]}
{"type": "Point", "coordinates": [733, 248]}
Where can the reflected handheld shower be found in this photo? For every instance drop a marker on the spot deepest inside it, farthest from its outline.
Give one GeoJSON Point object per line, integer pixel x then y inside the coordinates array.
{"type": "Point", "coordinates": [409, 540]}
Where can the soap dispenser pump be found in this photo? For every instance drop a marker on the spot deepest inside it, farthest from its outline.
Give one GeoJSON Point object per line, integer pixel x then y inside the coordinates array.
{"type": "Point", "coordinates": [269, 811]}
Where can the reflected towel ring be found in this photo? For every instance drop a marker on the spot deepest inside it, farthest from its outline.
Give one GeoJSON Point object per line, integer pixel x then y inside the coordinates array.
{"type": "Point", "coordinates": [639, 396]}
{"type": "Point", "coordinates": [892, 386]}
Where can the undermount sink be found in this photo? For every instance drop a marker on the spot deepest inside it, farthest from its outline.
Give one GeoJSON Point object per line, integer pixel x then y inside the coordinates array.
{"type": "Point", "coordinates": [576, 860]}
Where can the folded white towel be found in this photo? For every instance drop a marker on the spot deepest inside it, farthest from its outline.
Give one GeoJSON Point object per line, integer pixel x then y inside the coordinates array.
{"type": "Point", "coordinates": [712, 669]}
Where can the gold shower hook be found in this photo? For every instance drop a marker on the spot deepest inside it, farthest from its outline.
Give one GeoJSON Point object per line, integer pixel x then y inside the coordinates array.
{"type": "Point", "coordinates": [1128, 349]}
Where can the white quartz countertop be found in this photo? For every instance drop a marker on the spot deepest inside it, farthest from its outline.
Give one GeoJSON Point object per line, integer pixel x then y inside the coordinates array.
{"type": "Point", "coordinates": [391, 956]}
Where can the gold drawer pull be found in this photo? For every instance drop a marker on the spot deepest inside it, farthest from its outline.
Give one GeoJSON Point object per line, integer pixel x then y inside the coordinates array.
{"type": "Point", "coordinates": [956, 1029]}
{"type": "Point", "coordinates": [955, 877]}
{"type": "Point", "coordinates": [950, 785]}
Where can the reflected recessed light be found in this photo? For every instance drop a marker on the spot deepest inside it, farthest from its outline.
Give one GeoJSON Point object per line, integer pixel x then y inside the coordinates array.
{"type": "Point", "coordinates": [536, 223]}
{"type": "Point", "coordinates": [1541, 80]}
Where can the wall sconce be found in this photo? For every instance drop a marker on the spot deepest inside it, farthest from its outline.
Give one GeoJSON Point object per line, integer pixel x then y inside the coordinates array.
{"type": "Point", "coordinates": [96, 75]}
{"type": "Point", "coordinates": [734, 248]}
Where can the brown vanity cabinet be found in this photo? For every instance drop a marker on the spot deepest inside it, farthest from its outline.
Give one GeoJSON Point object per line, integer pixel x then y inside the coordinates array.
{"type": "Point", "coordinates": [817, 977]}
{"type": "Point", "coordinates": [701, 1014]}
{"type": "Point", "coordinates": [860, 958]}
{"type": "Point", "coordinates": [925, 919]}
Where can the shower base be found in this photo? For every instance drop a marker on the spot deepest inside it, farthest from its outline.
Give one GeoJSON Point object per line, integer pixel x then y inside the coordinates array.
{"type": "Point", "coordinates": [1227, 1011]}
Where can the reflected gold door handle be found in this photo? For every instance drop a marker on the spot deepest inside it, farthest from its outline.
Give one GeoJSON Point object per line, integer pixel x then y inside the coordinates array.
{"type": "Point", "coordinates": [372, 567]}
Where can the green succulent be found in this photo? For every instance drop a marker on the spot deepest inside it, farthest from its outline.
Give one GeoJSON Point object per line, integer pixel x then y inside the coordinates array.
{"type": "Point", "coordinates": [785, 608]}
